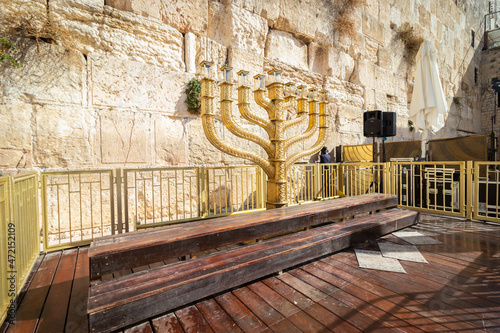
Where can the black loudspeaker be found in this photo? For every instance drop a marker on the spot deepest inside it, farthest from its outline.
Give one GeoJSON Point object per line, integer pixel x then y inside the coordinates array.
{"type": "Point", "coordinates": [379, 124]}
{"type": "Point", "coordinates": [372, 123]}
{"type": "Point", "coordinates": [388, 124]}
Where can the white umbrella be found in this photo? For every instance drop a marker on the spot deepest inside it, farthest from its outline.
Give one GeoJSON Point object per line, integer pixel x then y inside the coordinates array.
{"type": "Point", "coordinates": [428, 104]}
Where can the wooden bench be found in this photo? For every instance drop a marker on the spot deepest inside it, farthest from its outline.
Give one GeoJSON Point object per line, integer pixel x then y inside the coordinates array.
{"type": "Point", "coordinates": [126, 251]}
{"type": "Point", "coordinates": [126, 300]}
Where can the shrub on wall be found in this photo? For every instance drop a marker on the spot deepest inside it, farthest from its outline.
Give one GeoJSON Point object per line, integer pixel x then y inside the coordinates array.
{"type": "Point", "coordinates": [193, 101]}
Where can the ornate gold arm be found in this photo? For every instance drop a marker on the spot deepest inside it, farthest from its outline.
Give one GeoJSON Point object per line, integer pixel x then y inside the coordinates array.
{"type": "Point", "coordinates": [313, 119]}
{"type": "Point", "coordinates": [264, 102]}
{"type": "Point", "coordinates": [233, 126]}
{"type": "Point", "coordinates": [320, 142]}
{"type": "Point", "coordinates": [244, 108]}
{"type": "Point", "coordinates": [301, 111]}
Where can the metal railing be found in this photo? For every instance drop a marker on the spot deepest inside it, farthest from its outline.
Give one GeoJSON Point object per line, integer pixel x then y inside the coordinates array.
{"type": "Point", "coordinates": [365, 177]}
{"type": "Point", "coordinates": [19, 235]}
{"type": "Point", "coordinates": [437, 187]}
{"type": "Point", "coordinates": [4, 225]}
{"type": "Point", "coordinates": [487, 191]}
{"type": "Point", "coordinates": [77, 206]}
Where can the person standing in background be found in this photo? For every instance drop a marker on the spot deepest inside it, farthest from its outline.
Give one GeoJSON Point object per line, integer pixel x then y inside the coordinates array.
{"type": "Point", "coordinates": [324, 157]}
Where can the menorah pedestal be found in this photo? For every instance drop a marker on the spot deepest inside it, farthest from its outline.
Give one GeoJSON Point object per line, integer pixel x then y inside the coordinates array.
{"type": "Point", "coordinates": [276, 194]}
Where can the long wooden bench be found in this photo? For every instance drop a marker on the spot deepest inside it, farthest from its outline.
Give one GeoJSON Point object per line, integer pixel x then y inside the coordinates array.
{"type": "Point", "coordinates": [114, 304]}
{"type": "Point", "coordinates": [126, 251]}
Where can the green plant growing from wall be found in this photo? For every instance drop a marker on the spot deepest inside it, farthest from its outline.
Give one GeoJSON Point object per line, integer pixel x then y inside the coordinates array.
{"type": "Point", "coordinates": [8, 51]}
{"type": "Point", "coordinates": [457, 102]}
{"type": "Point", "coordinates": [193, 100]}
{"type": "Point", "coordinates": [412, 40]}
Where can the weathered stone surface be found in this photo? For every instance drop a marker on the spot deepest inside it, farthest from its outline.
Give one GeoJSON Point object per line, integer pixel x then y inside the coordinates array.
{"type": "Point", "coordinates": [63, 136]}
{"type": "Point", "coordinates": [170, 140]}
{"type": "Point", "coordinates": [233, 26]}
{"type": "Point", "coordinates": [190, 52]}
{"type": "Point", "coordinates": [124, 137]}
{"type": "Point", "coordinates": [184, 15]}
{"type": "Point", "coordinates": [104, 29]}
{"type": "Point", "coordinates": [118, 82]}
{"type": "Point", "coordinates": [373, 28]}
{"type": "Point", "coordinates": [49, 74]}
{"type": "Point", "coordinates": [244, 60]}
{"type": "Point", "coordinates": [283, 46]}
{"type": "Point", "coordinates": [201, 152]}
{"type": "Point", "coordinates": [270, 10]}
{"type": "Point", "coordinates": [207, 49]}
{"type": "Point", "coordinates": [15, 125]}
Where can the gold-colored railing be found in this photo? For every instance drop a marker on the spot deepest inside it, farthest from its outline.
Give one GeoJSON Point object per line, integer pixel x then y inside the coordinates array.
{"type": "Point", "coordinates": [77, 207]}
{"type": "Point", "coordinates": [4, 226]}
{"type": "Point", "coordinates": [364, 177]}
{"type": "Point", "coordinates": [437, 187]}
{"type": "Point", "coordinates": [310, 182]}
{"type": "Point", "coordinates": [19, 235]}
{"type": "Point", "coordinates": [486, 199]}
{"type": "Point", "coordinates": [80, 205]}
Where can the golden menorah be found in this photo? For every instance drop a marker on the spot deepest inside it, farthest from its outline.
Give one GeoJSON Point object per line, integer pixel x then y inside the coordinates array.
{"type": "Point", "coordinates": [280, 98]}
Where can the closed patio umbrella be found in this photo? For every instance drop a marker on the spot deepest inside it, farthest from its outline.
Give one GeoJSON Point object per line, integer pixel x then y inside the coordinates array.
{"type": "Point", "coordinates": [428, 103]}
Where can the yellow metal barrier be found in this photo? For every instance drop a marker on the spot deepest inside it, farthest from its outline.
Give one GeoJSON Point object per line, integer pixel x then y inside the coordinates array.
{"type": "Point", "coordinates": [77, 207]}
{"type": "Point", "coordinates": [365, 177]}
{"type": "Point", "coordinates": [24, 216]}
{"type": "Point", "coordinates": [486, 200]}
{"type": "Point", "coordinates": [4, 259]}
{"type": "Point", "coordinates": [230, 190]}
{"type": "Point", "coordinates": [309, 182]}
{"type": "Point", "coordinates": [434, 187]}
{"type": "Point", "coordinates": [159, 196]}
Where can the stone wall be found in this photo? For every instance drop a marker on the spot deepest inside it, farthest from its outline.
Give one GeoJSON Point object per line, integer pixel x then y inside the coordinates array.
{"type": "Point", "coordinates": [112, 94]}
{"type": "Point", "coordinates": [490, 67]}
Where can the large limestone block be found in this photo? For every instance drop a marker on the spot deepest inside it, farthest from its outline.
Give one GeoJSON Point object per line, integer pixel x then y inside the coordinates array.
{"type": "Point", "coordinates": [125, 137]}
{"type": "Point", "coordinates": [49, 74]}
{"type": "Point", "coordinates": [15, 158]}
{"type": "Point", "coordinates": [15, 125]}
{"type": "Point", "coordinates": [95, 28]}
{"type": "Point", "coordinates": [373, 28]}
{"type": "Point", "coordinates": [184, 15]}
{"type": "Point", "coordinates": [170, 140]}
{"type": "Point", "coordinates": [350, 119]}
{"type": "Point", "coordinates": [285, 47]}
{"type": "Point", "coordinates": [319, 56]}
{"type": "Point", "coordinates": [210, 50]}
{"type": "Point", "coordinates": [117, 82]}
{"type": "Point", "coordinates": [63, 136]}
{"type": "Point", "coordinates": [233, 26]}
{"type": "Point", "coordinates": [201, 151]}
{"type": "Point", "coordinates": [309, 19]}
{"type": "Point", "coordinates": [344, 93]}
{"type": "Point", "coordinates": [244, 60]}
{"type": "Point", "coordinates": [270, 10]}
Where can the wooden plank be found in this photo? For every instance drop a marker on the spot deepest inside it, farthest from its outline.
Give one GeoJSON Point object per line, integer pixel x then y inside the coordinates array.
{"type": "Point", "coordinates": [364, 291]}
{"type": "Point", "coordinates": [433, 298]}
{"type": "Point", "coordinates": [246, 320]}
{"type": "Point", "coordinates": [217, 318]}
{"type": "Point", "coordinates": [381, 317]}
{"type": "Point", "coordinates": [29, 312]}
{"type": "Point", "coordinates": [264, 311]}
{"type": "Point", "coordinates": [56, 305]}
{"type": "Point", "coordinates": [125, 251]}
{"type": "Point", "coordinates": [369, 281]}
{"type": "Point", "coordinates": [115, 303]}
{"type": "Point", "coordinates": [141, 328]}
{"type": "Point", "coordinates": [77, 320]}
{"type": "Point", "coordinates": [167, 323]}
{"type": "Point", "coordinates": [297, 317]}
{"type": "Point", "coordinates": [192, 321]}
{"type": "Point", "coordinates": [330, 312]}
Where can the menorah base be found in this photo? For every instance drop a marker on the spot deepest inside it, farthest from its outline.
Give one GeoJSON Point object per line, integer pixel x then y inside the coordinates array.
{"type": "Point", "coordinates": [272, 205]}
{"type": "Point", "coordinates": [276, 194]}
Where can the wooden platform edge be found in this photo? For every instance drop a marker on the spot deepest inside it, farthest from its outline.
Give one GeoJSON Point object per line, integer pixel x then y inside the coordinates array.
{"type": "Point", "coordinates": [104, 261]}
{"type": "Point", "coordinates": [128, 312]}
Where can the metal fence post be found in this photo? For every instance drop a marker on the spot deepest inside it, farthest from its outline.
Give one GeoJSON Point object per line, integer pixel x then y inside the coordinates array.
{"type": "Point", "coordinates": [118, 204]}
{"type": "Point", "coordinates": [469, 202]}
{"type": "Point", "coordinates": [203, 195]}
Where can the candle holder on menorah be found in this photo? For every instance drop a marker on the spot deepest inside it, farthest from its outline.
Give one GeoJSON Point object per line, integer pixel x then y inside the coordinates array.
{"type": "Point", "coordinates": [280, 98]}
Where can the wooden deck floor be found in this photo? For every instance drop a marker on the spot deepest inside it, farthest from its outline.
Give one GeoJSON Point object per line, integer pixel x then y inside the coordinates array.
{"type": "Point", "coordinates": [458, 290]}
